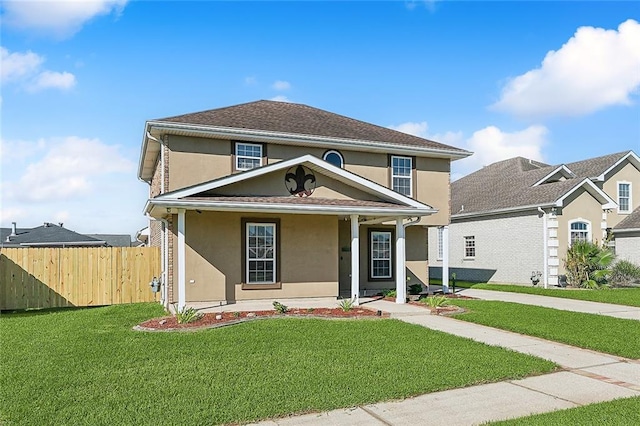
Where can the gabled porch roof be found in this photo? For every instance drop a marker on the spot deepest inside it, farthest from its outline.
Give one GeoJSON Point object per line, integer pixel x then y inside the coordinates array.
{"type": "Point", "coordinates": [200, 197]}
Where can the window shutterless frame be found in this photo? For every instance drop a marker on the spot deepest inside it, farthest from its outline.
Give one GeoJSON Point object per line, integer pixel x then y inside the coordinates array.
{"type": "Point", "coordinates": [247, 156]}
{"type": "Point", "coordinates": [579, 230]}
{"type": "Point", "coordinates": [260, 254]}
{"type": "Point", "coordinates": [380, 254]}
{"type": "Point", "coordinates": [470, 247]}
{"type": "Point", "coordinates": [624, 197]}
{"type": "Point", "coordinates": [402, 174]}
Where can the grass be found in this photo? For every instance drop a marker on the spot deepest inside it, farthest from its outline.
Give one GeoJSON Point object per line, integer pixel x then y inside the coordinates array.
{"type": "Point", "coordinates": [600, 333]}
{"type": "Point", "coordinates": [88, 367]}
{"type": "Point", "coordinates": [618, 296]}
{"type": "Point", "coordinates": [621, 412]}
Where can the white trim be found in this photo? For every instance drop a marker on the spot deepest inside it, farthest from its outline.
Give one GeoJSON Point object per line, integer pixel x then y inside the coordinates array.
{"type": "Point", "coordinates": [182, 292]}
{"type": "Point", "coordinates": [466, 239]}
{"type": "Point", "coordinates": [410, 177]}
{"type": "Point", "coordinates": [284, 208]}
{"type": "Point", "coordinates": [632, 158]}
{"type": "Point", "coordinates": [624, 182]}
{"type": "Point", "coordinates": [439, 243]}
{"type": "Point", "coordinates": [579, 220]}
{"type": "Point", "coordinates": [623, 230]}
{"type": "Point", "coordinates": [371, 259]}
{"type": "Point", "coordinates": [293, 139]}
{"type": "Point", "coordinates": [567, 174]}
{"type": "Point", "coordinates": [273, 260]}
{"type": "Point", "coordinates": [501, 211]}
{"type": "Point", "coordinates": [606, 201]}
{"type": "Point", "coordinates": [445, 259]}
{"type": "Point", "coordinates": [333, 151]}
{"type": "Point", "coordinates": [355, 259]}
{"type": "Point", "coordinates": [401, 271]}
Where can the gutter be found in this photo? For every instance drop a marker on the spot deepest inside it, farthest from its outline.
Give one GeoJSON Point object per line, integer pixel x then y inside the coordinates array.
{"type": "Point", "coordinates": [500, 211]}
{"type": "Point", "coordinates": [624, 230]}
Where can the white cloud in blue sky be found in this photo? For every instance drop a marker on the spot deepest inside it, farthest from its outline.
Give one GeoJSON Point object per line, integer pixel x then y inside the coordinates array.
{"type": "Point", "coordinates": [25, 70]}
{"type": "Point", "coordinates": [281, 85]}
{"type": "Point", "coordinates": [58, 18]}
{"type": "Point", "coordinates": [595, 69]}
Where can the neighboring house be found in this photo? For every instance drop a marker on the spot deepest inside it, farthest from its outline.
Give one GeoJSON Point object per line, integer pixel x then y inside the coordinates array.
{"type": "Point", "coordinates": [627, 237]}
{"type": "Point", "coordinates": [514, 219]}
{"type": "Point", "coordinates": [275, 200]}
{"type": "Point", "coordinates": [113, 240]}
{"type": "Point", "coordinates": [47, 235]}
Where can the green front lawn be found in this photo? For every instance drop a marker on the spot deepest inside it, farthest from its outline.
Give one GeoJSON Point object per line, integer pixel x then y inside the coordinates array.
{"type": "Point", "coordinates": [618, 296]}
{"type": "Point", "coordinates": [621, 412]}
{"type": "Point", "coordinates": [88, 367]}
{"type": "Point", "coordinates": [597, 332]}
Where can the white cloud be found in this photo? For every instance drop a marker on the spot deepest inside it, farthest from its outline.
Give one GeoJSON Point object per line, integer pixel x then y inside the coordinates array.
{"type": "Point", "coordinates": [416, 129]}
{"type": "Point", "coordinates": [52, 80]}
{"type": "Point", "coordinates": [595, 69]}
{"type": "Point", "coordinates": [89, 185]}
{"type": "Point", "coordinates": [280, 98]}
{"type": "Point", "coordinates": [492, 144]}
{"type": "Point", "coordinates": [25, 70]}
{"type": "Point", "coordinates": [250, 81]}
{"type": "Point", "coordinates": [60, 18]}
{"type": "Point", "coordinates": [17, 65]}
{"type": "Point", "coordinates": [281, 85]}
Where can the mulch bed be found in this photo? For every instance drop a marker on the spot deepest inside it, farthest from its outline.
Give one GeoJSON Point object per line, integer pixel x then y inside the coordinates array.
{"type": "Point", "coordinates": [210, 320]}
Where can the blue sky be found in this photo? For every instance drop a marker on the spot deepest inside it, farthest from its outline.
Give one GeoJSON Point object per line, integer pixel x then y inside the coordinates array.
{"type": "Point", "coordinates": [553, 81]}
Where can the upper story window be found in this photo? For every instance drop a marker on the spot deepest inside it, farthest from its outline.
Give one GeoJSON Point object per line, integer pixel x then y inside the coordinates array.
{"type": "Point", "coordinates": [248, 156]}
{"type": "Point", "coordinates": [334, 157]}
{"type": "Point", "coordinates": [624, 197]}
{"type": "Point", "coordinates": [470, 247]}
{"type": "Point", "coordinates": [579, 230]}
{"type": "Point", "coordinates": [401, 180]}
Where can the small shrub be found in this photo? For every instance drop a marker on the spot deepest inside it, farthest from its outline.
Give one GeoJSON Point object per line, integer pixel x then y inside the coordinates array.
{"type": "Point", "coordinates": [587, 264]}
{"type": "Point", "coordinates": [310, 310]}
{"type": "Point", "coordinates": [346, 304]}
{"type": "Point", "coordinates": [280, 308]}
{"type": "Point", "coordinates": [436, 301]}
{"type": "Point", "coordinates": [389, 293]}
{"type": "Point", "coordinates": [187, 315]}
{"type": "Point", "coordinates": [236, 314]}
{"type": "Point", "coordinates": [415, 289]}
{"type": "Point", "coordinates": [624, 273]}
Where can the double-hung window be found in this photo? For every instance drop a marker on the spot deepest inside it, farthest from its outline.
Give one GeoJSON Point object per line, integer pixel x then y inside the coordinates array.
{"type": "Point", "coordinates": [624, 197]}
{"type": "Point", "coordinates": [401, 181]}
{"type": "Point", "coordinates": [248, 156]}
{"type": "Point", "coordinates": [260, 253]}
{"type": "Point", "coordinates": [380, 243]}
{"type": "Point", "coordinates": [470, 247]}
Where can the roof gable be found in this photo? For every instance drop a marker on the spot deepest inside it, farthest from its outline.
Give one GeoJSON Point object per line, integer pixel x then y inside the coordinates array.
{"type": "Point", "coordinates": [597, 168]}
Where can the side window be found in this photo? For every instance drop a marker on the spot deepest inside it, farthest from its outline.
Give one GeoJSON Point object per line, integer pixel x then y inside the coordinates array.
{"type": "Point", "coordinates": [334, 157]}
{"type": "Point", "coordinates": [470, 247]}
{"type": "Point", "coordinates": [401, 175]}
{"type": "Point", "coordinates": [624, 197]}
{"type": "Point", "coordinates": [579, 230]}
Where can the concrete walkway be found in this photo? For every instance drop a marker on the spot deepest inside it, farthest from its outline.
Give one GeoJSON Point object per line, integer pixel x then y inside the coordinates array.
{"type": "Point", "coordinates": [608, 309]}
{"type": "Point", "coordinates": [589, 377]}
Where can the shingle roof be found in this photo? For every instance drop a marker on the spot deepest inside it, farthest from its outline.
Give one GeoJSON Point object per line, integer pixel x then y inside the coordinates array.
{"type": "Point", "coordinates": [593, 167]}
{"type": "Point", "coordinates": [632, 221]}
{"type": "Point", "coordinates": [316, 201]}
{"type": "Point", "coordinates": [509, 183]}
{"type": "Point", "coordinates": [43, 235]}
{"type": "Point", "coordinates": [285, 117]}
{"type": "Point", "coordinates": [113, 240]}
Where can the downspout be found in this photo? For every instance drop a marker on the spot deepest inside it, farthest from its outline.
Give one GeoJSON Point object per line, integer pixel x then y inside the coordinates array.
{"type": "Point", "coordinates": [545, 248]}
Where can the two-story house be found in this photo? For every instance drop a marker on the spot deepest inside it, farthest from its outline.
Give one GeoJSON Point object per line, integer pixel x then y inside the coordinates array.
{"type": "Point", "coordinates": [274, 200]}
{"type": "Point", "coordinates": [513, 221]}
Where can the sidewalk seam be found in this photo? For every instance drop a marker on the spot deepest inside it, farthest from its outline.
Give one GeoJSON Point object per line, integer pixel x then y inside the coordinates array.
{"type": "Point", "coordinates": [375, 416]}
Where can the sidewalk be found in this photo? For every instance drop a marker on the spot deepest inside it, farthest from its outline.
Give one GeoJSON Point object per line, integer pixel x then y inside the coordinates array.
{"type": "Point", "coordinates": [608, 309]}
{"type": "Point", "coordinates": [589, 377]}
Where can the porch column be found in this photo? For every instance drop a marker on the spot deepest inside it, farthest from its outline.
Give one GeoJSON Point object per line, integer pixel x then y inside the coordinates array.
{"type": "Point", "coordinates": [445, 259]}
{"type": "Point", "coordinates": [182, 294]}
{"type": "Point", "coordinates": [355, 259]}
{"type": "Point", "coordinates": [401, 272]}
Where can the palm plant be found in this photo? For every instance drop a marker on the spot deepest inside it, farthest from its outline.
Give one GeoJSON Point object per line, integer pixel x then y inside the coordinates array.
{"type": "Point", "coordinates": [587, 264]}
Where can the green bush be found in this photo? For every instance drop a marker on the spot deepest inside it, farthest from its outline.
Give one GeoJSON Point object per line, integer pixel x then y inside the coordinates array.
{"type": "Point", "coordinates": [415, 289]}
{"type": "Point", "coordinates": [187, 315]}
{"type": "Point", "coordinates": [346, 304]}
{"type": "Point", "coordinates": [624, 273]}
{"type": "Point", "coordinates": [587, 265]}
{"type": "Point", "coordinates": [280, 308]}
{"type": "Point", "coordinates": [436, 301]}
{"type": "Point", "coordinates": [389, 293]}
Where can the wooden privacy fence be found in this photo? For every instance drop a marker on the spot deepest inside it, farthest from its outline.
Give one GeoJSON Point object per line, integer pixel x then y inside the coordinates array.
{"type": "Point", "coordinates": [58, 277]}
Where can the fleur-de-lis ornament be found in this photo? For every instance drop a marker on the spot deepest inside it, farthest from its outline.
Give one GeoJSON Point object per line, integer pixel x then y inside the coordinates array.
{"type": "Point", "coordinates": [296, 182]}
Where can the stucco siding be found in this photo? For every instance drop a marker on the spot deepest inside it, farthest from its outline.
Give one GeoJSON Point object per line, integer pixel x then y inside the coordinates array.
{"type": "Point", "coordinates": [627, 173]}
{"type": "Point", "coordinates": [197, 160]}
{"type": "Point", "coordinates": [508, 249]}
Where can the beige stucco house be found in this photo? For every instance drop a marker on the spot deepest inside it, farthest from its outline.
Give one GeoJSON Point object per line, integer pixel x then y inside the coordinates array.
{"type": "Point", "coordinates": [275, 200]}
{"type": "Point", "coordinates": [514, 220]}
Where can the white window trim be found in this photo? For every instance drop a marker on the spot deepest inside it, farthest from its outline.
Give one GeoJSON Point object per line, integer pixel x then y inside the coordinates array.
{"type": "Point", "coordinates": [440, 243]}
{"type": "Point", "coordinates": [475, 247]}
{"type": "Point", "coordinates": [410, 177]}
{"type": "Point", "coordinates": [247, 259]}
{"type": "Point", "coordinates": [589, 229]}
{"type": "Point", "coordinates": [333, 151]}
{"type": "Point", "coordinates": [390, 259]}
{"type": "Point", "coordinates": [238, 157]}
{"type": "Point", "coordinates": [624, 182]}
